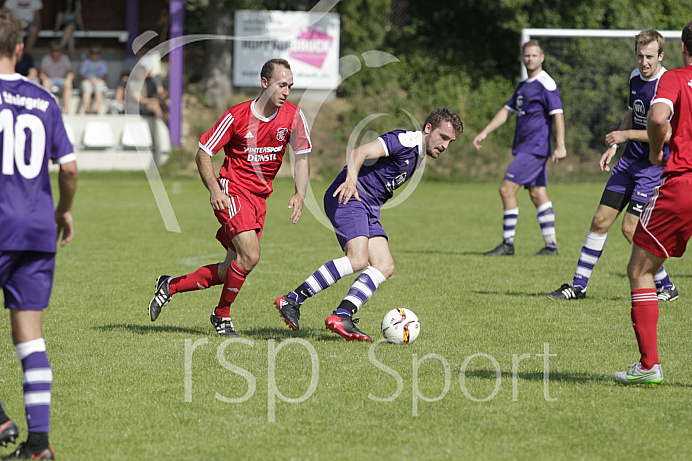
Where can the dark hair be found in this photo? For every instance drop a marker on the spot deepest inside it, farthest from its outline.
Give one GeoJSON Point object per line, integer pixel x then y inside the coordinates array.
{"type": "Point", "coordinates": [444, 115]}
{"type": "Point", "coordinates": [11, 33]}
{"type": "Point", "coordinates": [269, 66]}
{"type": "Point", "coordinates": [64, 7]}
{"type": "Point", "coordinates": [687, 37]}
{"type": "Point", "coordinates": [533, 42]}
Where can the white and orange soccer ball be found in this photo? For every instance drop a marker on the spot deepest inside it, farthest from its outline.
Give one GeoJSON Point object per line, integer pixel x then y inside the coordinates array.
{"type": "Point", "coordinates": [400, 326]}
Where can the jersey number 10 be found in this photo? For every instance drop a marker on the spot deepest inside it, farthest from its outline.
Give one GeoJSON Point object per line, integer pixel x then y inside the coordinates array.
{"type": "Point", "coordinates": [14, 141]}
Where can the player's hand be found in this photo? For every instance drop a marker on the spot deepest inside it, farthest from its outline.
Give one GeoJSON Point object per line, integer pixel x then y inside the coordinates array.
{"type": "Point", "coordinates": [296, 203]}
{"type": "Point", "coordinates": [615, 137]}
{"type": "Point", "coordinates": [559, 153]}
{"type": "Point", "coordinates": [63, 220]}
{"type": "Point", "coordinates": [478, 140]}
{"type": "Point", "coordinates": [219, 201]}
{"type": "Point", "coordinates": [345, 191]}
{"type": "Point", "coordinates": [606, 158]}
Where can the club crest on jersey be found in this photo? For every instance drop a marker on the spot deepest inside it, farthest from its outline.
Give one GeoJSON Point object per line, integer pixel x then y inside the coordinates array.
{"type": "Point", "coordinates": [281, 134]}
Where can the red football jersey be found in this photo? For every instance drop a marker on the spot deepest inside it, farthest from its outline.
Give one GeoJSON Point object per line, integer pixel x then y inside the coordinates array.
{"type": "Point", "coordinates": [255, 145]}
{"type": "Point", "coordinates": [675, 90]}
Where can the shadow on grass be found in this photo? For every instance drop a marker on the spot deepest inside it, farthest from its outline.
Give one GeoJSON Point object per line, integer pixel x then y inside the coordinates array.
{"type": "Point", "coordinates": [147, 329]}
{"type": "Point", "coordinates": [564, 377]}
{"type": "Point", "coordinates": [438, 252]}
{"type": "Point", "coordinates": [560, 303]}
{"type": "Point", "coordinates": [286, 333]}
{"type": "Point", "coordinates": [538, 376]}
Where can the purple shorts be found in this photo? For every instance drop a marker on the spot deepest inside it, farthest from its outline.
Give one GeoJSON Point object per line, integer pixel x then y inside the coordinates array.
{"type": "Point", "coordinates": [26, 278]}
{"type": "Point", "coordinates": [528, 170]}
{"type": "Point", "coordinates": [353, 219]}
{"type": "Point", "coordinates": [634, 179]}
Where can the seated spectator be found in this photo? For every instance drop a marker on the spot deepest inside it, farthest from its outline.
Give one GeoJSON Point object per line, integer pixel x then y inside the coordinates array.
{"type": "Point", "coordinates": [56, 71]}
{"type": "Point", "coordinates": [29, 11]}
{"type": "Point", "coordinates": [25, 66]}
{"type": "Point", "coordinates": [68, 19]}
{"type": "Point", "coordinates": [144, 100]}
{"type": "Point", "coordinates": [93, 73]}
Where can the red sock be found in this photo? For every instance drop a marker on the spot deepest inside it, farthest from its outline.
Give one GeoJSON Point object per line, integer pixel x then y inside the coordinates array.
{"type": "Point", "coordinates": [644, 320]}
{"type": "Point", "coordinates": [204, 277]}
{"type": "Point", "coordinates": [235, 277]}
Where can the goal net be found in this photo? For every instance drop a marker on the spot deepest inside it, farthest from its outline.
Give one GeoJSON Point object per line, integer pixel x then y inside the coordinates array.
{"type": "Point", "coordinates": [592, 69]}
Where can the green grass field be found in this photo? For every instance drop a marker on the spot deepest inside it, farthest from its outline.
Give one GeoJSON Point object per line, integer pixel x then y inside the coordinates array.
{"type": "Point", "coordinates": [129, 389]}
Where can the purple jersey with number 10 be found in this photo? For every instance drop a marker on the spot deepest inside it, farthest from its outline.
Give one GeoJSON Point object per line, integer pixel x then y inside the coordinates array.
{"type": "Point", "coordinates": [534, 102]}
{"type": "Point", "coordinates": [31, 133]}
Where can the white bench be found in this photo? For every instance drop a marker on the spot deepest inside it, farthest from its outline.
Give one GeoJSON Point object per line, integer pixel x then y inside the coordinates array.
{"type": "Point", "coordinates": [121, 35]}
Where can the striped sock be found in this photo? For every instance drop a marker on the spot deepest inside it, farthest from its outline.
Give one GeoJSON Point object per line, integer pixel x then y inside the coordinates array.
{"type": "Point", "coordinates": [327, 275]}
{"type": "Point", "coordinates": [546, 219]}
{"type": "Point", "coordinates": [662, 280]}
{"type": "Point", "coordinates": [644, 320]}
{"type": "Point", "coordinates": [509, 225]}
{"type": "Point", "coordinates": [38, 380]}
{"type": "Point", "coordinates": [590, 252]}
{"type": "Point", "coordinates": [362, 289]}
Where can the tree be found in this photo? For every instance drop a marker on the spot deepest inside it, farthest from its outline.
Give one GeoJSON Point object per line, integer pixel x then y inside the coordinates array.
{"type": "Point", "coordinates": [216, 82]}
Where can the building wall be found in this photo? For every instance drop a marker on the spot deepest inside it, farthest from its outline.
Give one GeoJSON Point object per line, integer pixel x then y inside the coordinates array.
{"type": "Point", "coordinates": [110, 14]}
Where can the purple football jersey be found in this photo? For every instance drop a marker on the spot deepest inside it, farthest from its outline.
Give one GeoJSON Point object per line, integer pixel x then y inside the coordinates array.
{"type": "Point", "coordinates": [642, 92]}
{"type": "Point", "coordinates": [32, 131]}
{"type": "Point", "coordinates": [378, 181]}
{"type": "Point", "coordinates": [534, 102]}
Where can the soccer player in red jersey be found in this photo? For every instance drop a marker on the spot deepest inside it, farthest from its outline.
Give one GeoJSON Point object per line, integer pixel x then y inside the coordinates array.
{"type": "Point", "coordinates": [254, 136]}
{"type": "Point", "coordinates": [665, 225]}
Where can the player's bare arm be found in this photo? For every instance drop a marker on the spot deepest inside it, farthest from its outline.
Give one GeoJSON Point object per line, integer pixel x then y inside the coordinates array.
{"type": "Point", "coordinates": [371, 150]}
{"type": "Point", "coordinates": [301, 172]}
{"type": "Point", "coordinates": [67, 185]}
{"type": "Point", "coordinates": [657, 129]}
{"type": "Point", "coordinates": [614, 139]}
{"type": "Point", "coordinates": [560, 151]}
{"type": "Point", "coordinates": [498, 120]}
{"type": "Point", "coordinates": [218, 200]}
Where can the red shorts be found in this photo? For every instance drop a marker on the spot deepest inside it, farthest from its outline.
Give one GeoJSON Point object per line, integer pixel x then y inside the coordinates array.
{"type": "Point", "coordinates": [665, 225]}
{"type": "Point", "coordinates": [247, 212]}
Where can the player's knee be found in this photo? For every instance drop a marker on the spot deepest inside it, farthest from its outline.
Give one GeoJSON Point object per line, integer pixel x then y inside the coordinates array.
{"type": "Point", "coordinates": [358, 263]}
{"type": "Point", "coordinates": [387, 270]}
{"type": "Point", "coordinates": [599, 225]}
{"type": "Point", "coordinates": [628, 232]}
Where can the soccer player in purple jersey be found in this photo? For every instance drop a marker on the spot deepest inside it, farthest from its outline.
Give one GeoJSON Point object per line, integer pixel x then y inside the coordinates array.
{"type": "Point", "coordinates": [633, 178]}
{"type": "Point", "coordinates": [32, 132]}
{"type": "Point", "coordinates": [537, 104]}
{"type": "Point", "coordinates": [352, 203]}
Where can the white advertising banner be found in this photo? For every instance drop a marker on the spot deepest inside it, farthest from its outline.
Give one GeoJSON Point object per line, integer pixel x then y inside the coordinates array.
{"type": "Point", "coordinates": [308, 41]}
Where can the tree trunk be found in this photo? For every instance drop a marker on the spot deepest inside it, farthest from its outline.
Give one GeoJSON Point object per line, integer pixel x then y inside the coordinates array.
{"type": "Point", "coordinates": [217, 72]}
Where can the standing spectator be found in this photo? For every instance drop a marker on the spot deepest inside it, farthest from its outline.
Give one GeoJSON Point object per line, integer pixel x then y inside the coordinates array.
{"type": "Point", "coordinates": [93, 73]}
{"type": "Point", "coordinates": [68, 19]}
{"type": "Point", "coordinates": [56, 71]}
{"type": "Point", "coordinates": [30, 225]}
{"type": "Point", "coordinates": [254, 136]}
{"type": "Point", "coordinates": [665, 225]}
{"type": "Point", "coordinates": [29, 11]}
{"type": "Point", "coordinates": [537, 104]}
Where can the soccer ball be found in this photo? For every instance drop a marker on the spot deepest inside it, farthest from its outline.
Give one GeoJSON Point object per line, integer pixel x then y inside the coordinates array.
{"type": "Point", "coordinates": [400, 326]}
